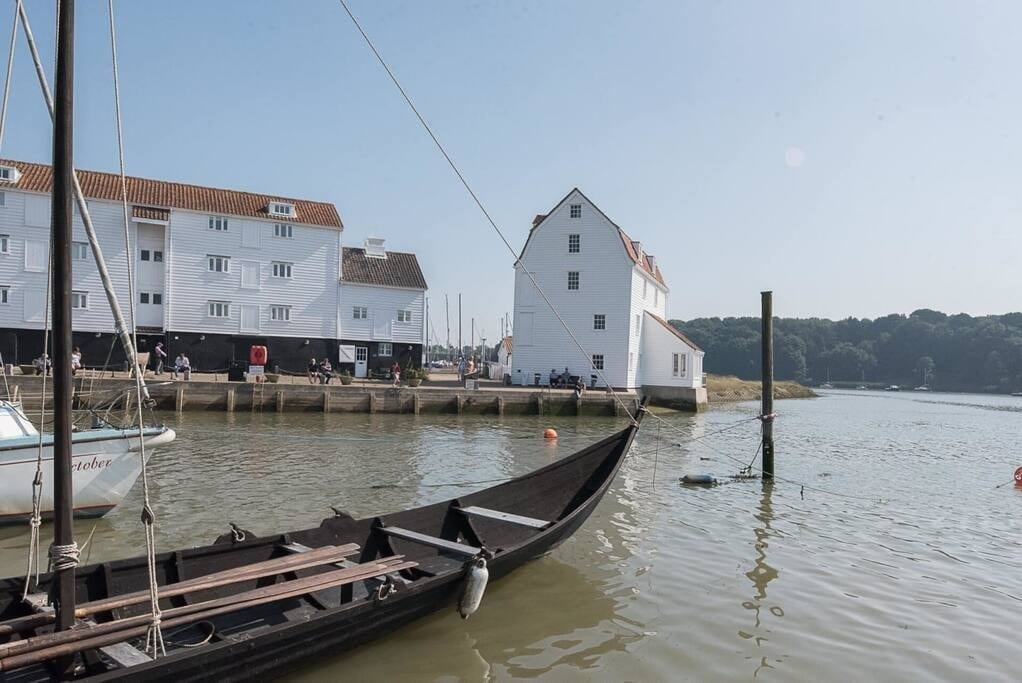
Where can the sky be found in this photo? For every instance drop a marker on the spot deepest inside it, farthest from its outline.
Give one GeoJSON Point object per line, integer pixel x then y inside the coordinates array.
{"type": "Point", "coordinates": [858, 159]}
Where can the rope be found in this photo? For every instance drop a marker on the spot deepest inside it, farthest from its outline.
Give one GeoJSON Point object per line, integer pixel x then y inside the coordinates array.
{"type": "Point", "coordinates": [7, 81]}
{"type": "Point", "coordinates": [63, 556]}
{"type": "Point", "coordinates": [656, 455]}
{"type": "Point", "coordinates": [479, 203]}
{"type": "Point", "coordinates": [154, 636]}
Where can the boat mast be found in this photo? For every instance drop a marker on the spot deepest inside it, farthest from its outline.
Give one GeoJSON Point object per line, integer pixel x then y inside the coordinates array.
{"type": "Point", "coordinates": [62, 593]}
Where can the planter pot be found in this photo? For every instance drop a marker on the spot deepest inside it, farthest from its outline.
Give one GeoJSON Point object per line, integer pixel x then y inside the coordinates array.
{"type": "Point", "coordinates": [272, 378]}
{"type": "Point", "coordinates": [414, 382]}
{"type": "Point", "coordinates": [345, 380]}
{"type": "Point", "coordinates": [27, 369]}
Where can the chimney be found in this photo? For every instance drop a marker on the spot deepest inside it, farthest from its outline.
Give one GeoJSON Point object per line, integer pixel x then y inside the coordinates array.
{"type": "Point", "coordinates": [374, 247]}
{"type": "Point", "coordinates": [637, 246]}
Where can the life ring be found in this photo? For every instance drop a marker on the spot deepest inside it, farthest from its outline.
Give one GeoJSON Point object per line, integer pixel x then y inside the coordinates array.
{"type": "Point", "coordinates": [257, 355]}
{"type": "Point", "coordinates": [1018, 477]}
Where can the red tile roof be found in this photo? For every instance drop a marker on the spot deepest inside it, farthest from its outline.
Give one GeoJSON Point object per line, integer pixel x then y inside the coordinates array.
{"type": "Point", "coordinates": [397, 270]}
{"type": "Point", "coordinates": [162, 193]}
{"type": "Point", "coordinates": [508, 343]}
{"type": "Point", "coordinates": [644, 261]}
{"type": "Point", "coordinates": [673, 330]}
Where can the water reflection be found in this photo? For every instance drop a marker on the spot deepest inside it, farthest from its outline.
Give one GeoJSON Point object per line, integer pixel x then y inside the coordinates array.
{"type": "Point", "coordinates": [761, 574]}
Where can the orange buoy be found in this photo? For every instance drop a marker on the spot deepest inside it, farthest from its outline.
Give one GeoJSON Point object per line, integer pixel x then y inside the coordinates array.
{"type": "Point", "coordinates": [550, 433]}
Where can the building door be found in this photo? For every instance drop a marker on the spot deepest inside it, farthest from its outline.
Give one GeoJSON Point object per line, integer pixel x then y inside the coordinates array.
{"type": "Point", "coordinates": [361, 361]}
{"type": "Point", "coordinates": [149, 268]}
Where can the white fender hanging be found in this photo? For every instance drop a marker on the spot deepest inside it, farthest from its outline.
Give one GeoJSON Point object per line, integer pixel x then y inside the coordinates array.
{"type": "Point", "coordinates": [475, 585]}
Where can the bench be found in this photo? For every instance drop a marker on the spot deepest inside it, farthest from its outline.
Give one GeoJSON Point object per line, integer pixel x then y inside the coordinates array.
{"type": "Point", "coordinates": [508, 517]}
{"type": "Point", "coordinates": [432, 541]}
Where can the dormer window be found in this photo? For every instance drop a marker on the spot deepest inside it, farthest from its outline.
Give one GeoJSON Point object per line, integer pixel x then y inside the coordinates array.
{"type": "Point", "coordinates": [281, 209]}
{"type": "Point", "coordinates": [9, 174]}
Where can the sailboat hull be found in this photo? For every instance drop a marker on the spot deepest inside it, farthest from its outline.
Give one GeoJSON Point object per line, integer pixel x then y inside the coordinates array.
{"type": "Point", "coordinates": [105, 465]}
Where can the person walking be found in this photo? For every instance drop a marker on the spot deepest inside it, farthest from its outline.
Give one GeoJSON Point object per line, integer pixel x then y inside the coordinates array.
{"type": "Point", "coordinates": [395, 375]}
{"type": "Point", "coordinates": [161, 357]}
{"type": "Point", "coordinates": [76, 361]}
{"type": "Point", "coordinates": [461, 369]}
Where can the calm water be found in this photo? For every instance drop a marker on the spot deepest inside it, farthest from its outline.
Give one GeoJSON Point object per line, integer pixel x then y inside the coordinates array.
{"type": "Point", "coordinates": [898, 560]}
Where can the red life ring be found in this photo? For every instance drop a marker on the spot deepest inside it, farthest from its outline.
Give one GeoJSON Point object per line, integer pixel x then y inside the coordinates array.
{"type": "Point", "coordinates": [257, 355]}
{"type": "Point", "coordinates": [1018, 477]}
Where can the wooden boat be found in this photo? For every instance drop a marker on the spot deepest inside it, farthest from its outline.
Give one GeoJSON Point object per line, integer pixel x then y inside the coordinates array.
{"type": "Point", "coordinates": [431, 547]}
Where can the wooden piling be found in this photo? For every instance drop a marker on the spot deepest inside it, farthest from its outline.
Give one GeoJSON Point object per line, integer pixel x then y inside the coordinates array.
{"type": "Point", "coordinates": [280, 401]}
{"type": "Point", "coordinates": [415, 403]}
{"type": "Point", "coordinates": [539, 404]}
{"type": "Point", "coordinates": [578, 405]}
{"type": "Point", "coordinates": [179, 399]}
{"type": "Point", "coordinates": [326, 400]}
{"type": "Point", "coordinates": [372, 402]}
{"type": "Point", "coordinates": [230, 400]}
{"type": "Point", "coordinates": [500, 405]}
{"type": "Point", "coordinates": [768, 385]}
{"type": "Point", "coordinates": [461, 403]}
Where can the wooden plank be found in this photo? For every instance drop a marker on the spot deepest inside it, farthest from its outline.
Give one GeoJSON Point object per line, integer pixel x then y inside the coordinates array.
{"type": "Point", "coordinates": [433, 541]}
{"type": "Point", "coordinates": [504, 517]}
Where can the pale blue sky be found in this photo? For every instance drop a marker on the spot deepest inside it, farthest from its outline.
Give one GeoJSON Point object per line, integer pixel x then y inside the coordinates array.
{"type": "Point", "coordinates": [858, 158]}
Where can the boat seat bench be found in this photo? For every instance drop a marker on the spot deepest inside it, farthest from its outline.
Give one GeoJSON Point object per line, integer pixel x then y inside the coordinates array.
{"type": "Point", "coordinates": [508, 517]}
{"type": "Point", "coordinates": [296, 547]}
{"type": "Point", "coordinates": [433, 541]}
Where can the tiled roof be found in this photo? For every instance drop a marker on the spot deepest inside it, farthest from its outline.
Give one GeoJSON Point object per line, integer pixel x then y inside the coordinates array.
{"type": "Point", "coordinates": [644, 262]}
{"type": "Point", "coordinates": [508, 343]}
{"type": "Point", "coordinates": [162, 193]}
{"type": "Point", "coordinates": [673, 330]}
{"type": "Point", "coordinates": [150, 213]}
{"type": "Point", "coordinates": [397, 270]}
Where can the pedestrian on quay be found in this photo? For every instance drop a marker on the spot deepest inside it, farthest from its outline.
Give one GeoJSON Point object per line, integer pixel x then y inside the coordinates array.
{"type": "Point", "coordinates": [76, 361]}
{"type": "Point", "coordinates": [461, 369]}
{"type": "Point", "coordinates": [182, 365]}
{"type": "Point", "coordinates": [161, 357]}
{"type": "Point", "coordinates": [313, 371]}
{"type": "Point", "coordinates": [326, 371]}
{"type": "Point", "coordinates": [395, 375]}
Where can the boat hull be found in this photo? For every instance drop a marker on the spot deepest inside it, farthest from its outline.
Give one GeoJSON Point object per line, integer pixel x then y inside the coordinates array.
{"type": "Point", "coordinates": [105, 465]}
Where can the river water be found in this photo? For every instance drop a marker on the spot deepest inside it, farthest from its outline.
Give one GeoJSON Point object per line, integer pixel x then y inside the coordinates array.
{"type": "Point", "coordinates": [886, 552]}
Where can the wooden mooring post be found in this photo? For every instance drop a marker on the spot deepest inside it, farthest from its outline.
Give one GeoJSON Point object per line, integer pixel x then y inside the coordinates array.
{"type": "Point", "coordinates": [767, 413]}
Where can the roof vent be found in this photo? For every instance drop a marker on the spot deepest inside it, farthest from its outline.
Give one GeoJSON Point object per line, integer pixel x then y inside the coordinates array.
{"type": "Point", "coordinates": [9, 174]}
{"type": "Point", "coordinates": [374, 247]}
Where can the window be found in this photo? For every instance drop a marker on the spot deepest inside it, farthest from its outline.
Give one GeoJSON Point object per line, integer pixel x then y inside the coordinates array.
{"type": "Point", "coordinates": [631, 361]}
{"type": "Point", "coordinates": [644, 283]}
{"type": "Point", "coordinates": [280, 209]}
{"type": "Point", "coordinates": [3, 199]}
{"type": "Point", "coordinates": [218, 223]}
{"type": "Point", "coordinates": [597, 361]}
{"type": "Point", "coordinates": [157, 299]}
{"type": "Point", "coordinates": [219, 309]}
{"type": "Point", "coordinates": [5, 244]}
{"type": "Point", "coordinates": [384, 349]}
{"type": "Point", "coordinates": [80, 251]}
{"type": "Point", "coordinates": [143, 297]}
{"type": "Point", "coordinates": [656, 296]}
{"type": "Point", "coordinates": [360, 313]}
{"type": "Point", "coordinates": [219, 264]}
{"type": "Point", "coordinates": [576, 211]}
{"type": "Point", "coordinates": [638, 323]}
{"type": "Point", "coordinates": [281, 269]}
{"type": "Point", "coordinates": [599, 321]}
{"type": "Point", "coordinates": [404, 316]}
{"type": "Point", "coordinates": [282, 230]}
{"type": "Point", "coordinates": [80, 300]}
{"type": "Point", "coordinates": [678, 366]}
{"type": "Point", "coordinates": [280, 313]}
{"type": "Point", "coordinates": [144, 255]}
{"type": "Point", "coordinates": [9, 174]}
{"type": "Point", "coordinates": [158, 257]}
{"type": "Point", "coordinates": [574, 244]}
{"type": "Point", "coordinates": [4, 291]}
{"type": "Point", "coordinates": [572, 279]}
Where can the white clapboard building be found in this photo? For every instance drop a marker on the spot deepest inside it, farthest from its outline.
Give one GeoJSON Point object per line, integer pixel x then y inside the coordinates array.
{"type": "Point", "coordinates": [217, 271]}
{"type": "Point", "coordinates": [613, 297]}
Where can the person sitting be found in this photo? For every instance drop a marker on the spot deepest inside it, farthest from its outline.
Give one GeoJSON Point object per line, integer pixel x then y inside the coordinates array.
{"type": "Point", "coordinates": [182, 365]}
{"type": "Point", "coordinates": [564, 379]}
{"type": "Point", "coordinates": [42, 364]}
{"type": "Point", "coordinates": [313, 371]}
{"type": "Point", "coordinates": [580, 387]}
{"type": "Point", "coordinates": [326, 371]}
{"type": "Point", "coordinates": [554, 378]}
{"type": "Point", "coordinates": [76, 361]}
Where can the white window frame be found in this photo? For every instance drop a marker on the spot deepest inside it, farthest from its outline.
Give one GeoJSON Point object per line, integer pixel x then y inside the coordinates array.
{"type": "Point", "coordinates": [575, 243]}
{"type": "Point", "coordinates": [284, 231]}
{"type": "Point", "coordinates": [155, 296]}
{"type": "Point", "coordinates": [638, 324]}
{"type": "Point", "coordinates": [5, 244]}
{"type": "Point", "coordinates": [218, 264]}
{"type": "Point", "coordinates": [575, 211]}
{"type": "Point", "coordinates": [80, 251]}
{"type": "Point", "coordinates": [143, 297]}
{"type": "Point", "coordinates": [359, 313]}
{"type": "Point", "coordinates": [9, 174]}
{"type": "Point", "coordinates": [598, 361]}
{"type": "Point", "coordinates": [645, 283]}
{"type": "Point", "coordinates": [282, 269]}
{"type": "Point", "coordinates": [631, 361]}
{"type": "Point", "coordinates": [218, 309]}
{"type": "Point", "coordinates": [678, 365]}
{"type": "Point", "coordinates": [385, 349]}
{"type": "Point", "coordinates": [280, 313]}
{"type": "Point", "coordinates": [3, 199]}
{"type": "Point", "coordinates": [5, 291]}
{"type": "Point", "coordinates": [578, 280]}
{"type": "Point", "coordinates": [599, 321]}
{"type": "Point", "coordinates": [218, 223]}
{"type": "Point", "coordinates": [656, 296]}
{"type": "Point", "coordinates": [284, 209]}
{"type": "Point", "coordinates": [157, 256]}
{"type": "Point", "coordinates": [404, 316]}
{"type": "Point", "coordinates": [79, 300]}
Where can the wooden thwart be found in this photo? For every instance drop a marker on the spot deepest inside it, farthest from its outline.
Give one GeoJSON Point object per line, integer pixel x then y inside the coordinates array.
{"type": "Point", "coordinates": [504, 517]}
{"type": "Point", "coordinates": [433, 541]}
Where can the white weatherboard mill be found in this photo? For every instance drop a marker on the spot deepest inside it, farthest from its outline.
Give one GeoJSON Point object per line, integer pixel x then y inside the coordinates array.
{"type": "Point", "coordinates": [612, 296]}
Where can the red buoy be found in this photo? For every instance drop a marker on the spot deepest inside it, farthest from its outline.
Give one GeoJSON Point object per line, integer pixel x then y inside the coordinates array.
{"type": "Point", "coordinates": [1018, 477]}
{"type": "Point", "coordinates": [551, 433]}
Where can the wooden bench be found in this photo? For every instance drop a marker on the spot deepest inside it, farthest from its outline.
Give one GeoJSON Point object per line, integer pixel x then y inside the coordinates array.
{"type": "Point", "coordinates": [508, 517]}
{"type": "Point", "coordinates": [432, 541]}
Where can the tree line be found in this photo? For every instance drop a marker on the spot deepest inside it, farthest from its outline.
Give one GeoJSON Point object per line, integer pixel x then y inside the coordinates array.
{"type": "Point", "coordinates": [946, 352]}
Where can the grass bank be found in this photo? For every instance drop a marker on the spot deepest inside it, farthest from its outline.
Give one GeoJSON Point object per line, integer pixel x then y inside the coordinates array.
{"type": "Point", "coordinates": [725, 388]}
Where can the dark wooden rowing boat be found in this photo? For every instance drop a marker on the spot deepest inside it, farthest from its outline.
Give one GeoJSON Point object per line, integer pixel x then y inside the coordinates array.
{"type": "Point", "coordinates": [432, 548]}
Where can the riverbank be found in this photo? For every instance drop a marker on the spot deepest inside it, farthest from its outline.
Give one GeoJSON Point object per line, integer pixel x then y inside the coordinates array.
{"type": "Point", "coordinates": [728, 389]}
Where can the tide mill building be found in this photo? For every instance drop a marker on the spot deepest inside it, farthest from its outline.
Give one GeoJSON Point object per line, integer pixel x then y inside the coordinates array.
{"type": "Point", "coordinates": [613, 297]}
{"type": "Point", "coordinates": [216, 272]}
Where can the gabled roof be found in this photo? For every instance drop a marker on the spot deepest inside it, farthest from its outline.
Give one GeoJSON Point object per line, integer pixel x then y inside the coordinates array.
{"type": "Point", "coordinates": [396, 270]}
{"type": "Point", "coordinates": [643, 263]}
{"type": "Point", "coordinates": [673, 330]}
{"type": "Point", "coordinates": [166, 194]}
